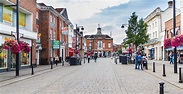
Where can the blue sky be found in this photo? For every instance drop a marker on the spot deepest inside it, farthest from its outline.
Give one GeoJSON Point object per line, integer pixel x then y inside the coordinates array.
{"type": "Point", "coordinates": [110, 14]}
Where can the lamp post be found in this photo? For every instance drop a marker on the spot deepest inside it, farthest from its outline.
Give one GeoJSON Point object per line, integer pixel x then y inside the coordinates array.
{"type": "Point", "coordinates": [122, 26]}
{"type": "Point", "coordinates": [77, 30]}
{"type": "Point", "coordinates": [17, 34]}
{"type": "Point", "coordinates": [175, 49]}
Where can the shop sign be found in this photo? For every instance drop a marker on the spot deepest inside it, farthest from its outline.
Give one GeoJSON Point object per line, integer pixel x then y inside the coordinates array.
{"type": "Point", "coordinates": [56, 44]}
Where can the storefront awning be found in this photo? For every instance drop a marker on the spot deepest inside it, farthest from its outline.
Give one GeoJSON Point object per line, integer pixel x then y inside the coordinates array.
{"type": "Point", "coordinates": [180, 48]}
{"type": "Point", "coordinates": [171, 48]}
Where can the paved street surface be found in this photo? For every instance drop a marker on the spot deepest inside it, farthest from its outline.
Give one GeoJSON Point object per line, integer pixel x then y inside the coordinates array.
{"type": "Point", "coordinates": [103, 77]}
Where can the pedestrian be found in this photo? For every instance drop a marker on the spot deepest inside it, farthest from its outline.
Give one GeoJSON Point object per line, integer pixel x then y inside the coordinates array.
{"type": "Point", "coordinates": [95, 57]}
{"type": "Point", "coordinates": [85, 56]}
{"type": "Point", "coordinates": [56, 60]}
{"type": "Point", "coordinates": [170, 56]}
{"type": "Point", "coordinates": [88, 58]}
{"type": "Point", "coordinates": [144, 61]}
{"type": "Point", "coordinates": [136, 61]}
{"type": "Point", "coordinates": [139, 58]}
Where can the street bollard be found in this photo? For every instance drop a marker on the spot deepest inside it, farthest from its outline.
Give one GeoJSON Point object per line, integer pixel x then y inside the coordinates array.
{"type": "Point", "coordinates": [164, 70]}
{"type": "Point", "coordinates": [32, 73]}
{"type": "Point", "coordinates": [180, 76]}
{"type": "Point", "coordinates": [51, 65]}
{"type": "Point", "coordinates": [161, 88]}
{"type": "Point", "coordinates": [153, 66]}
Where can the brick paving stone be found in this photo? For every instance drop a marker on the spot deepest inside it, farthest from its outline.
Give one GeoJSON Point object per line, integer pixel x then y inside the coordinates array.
{"type": "Point", "coordinates": [103, 77]}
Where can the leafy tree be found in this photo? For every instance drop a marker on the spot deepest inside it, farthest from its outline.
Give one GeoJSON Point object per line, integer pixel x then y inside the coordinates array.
{"type": "Point", "coordinates": [137, 31]}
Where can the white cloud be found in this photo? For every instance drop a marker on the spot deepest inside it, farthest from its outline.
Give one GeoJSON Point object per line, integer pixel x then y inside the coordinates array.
{"type": "Point", "coordinates": [82, 9]}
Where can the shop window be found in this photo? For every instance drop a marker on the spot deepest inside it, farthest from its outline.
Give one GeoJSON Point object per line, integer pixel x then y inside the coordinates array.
{"type": "Point", "coordinates": [25, 58]}
{"type": "Point", "coordinates": [3, 58]}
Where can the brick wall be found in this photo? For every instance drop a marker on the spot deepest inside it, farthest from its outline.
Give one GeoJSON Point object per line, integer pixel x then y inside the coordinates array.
{"type": "Point", "coordinates": [169, 26]}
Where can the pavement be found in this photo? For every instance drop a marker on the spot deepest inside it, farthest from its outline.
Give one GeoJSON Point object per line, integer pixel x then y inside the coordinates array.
{"type": "Point", "coordinates": [10, 77]}
{"type": "Point", "coordinates": [7, 78]}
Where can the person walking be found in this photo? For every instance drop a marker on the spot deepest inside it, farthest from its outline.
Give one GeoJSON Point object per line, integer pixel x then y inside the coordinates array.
{"type": "Point", "coordinates": [85, 56]}
{"type": "Point", "coordinates": [95, 57]}
{"type": "Point", "coordinates": [56, 60]}
{"type": "Point", "coordinates": [170, 56]}
{"type": "Point", "coordinates": [136, 61]}
{"type": "Point", "coordinates": [88, 58]}
{"type": "Point", "coordinates": [144, 57]}
{"type": "Point", "coordinates": [139, 58]}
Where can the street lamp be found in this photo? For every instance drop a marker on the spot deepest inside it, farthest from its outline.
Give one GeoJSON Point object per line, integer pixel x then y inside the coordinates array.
{"type": "Point", "coordinates": [77, 30]}
{"type": "Point", "coordinates": [175, 49]}
{"type": "Point", "coordinates": [123, 26]}
{"type": "Point", "coordinates": [17, 35]}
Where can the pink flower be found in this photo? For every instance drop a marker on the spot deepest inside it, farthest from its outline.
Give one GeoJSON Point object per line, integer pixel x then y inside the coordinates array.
{"type": "Point", "coordinates": [181, 39]}
{"type": "Point", "coordinates": [167, 43]}
{"type": "Point", "coordinates": [176, 41]}
{"type": "Point", "coordinates": [16, 47]}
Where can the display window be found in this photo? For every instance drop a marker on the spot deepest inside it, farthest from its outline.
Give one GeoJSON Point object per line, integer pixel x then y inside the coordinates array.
{"type": "Point", "coordinates": [3, 58]}
{"type": "Point", "coordinates": [25, 59]}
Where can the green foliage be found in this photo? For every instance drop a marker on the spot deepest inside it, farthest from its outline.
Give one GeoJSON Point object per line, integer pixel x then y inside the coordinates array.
{"type": "Point", "coordinates": [137, 31]}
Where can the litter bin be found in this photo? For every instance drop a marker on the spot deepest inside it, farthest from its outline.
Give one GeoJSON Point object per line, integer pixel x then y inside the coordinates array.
{"type": "Point", "coordinates": [123, 59]}
{"type": "Point", "coordinates": [73, 61]}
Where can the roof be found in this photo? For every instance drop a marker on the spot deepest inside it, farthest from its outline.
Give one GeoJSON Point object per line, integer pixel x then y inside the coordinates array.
{"type": "Point", "coordinates": [98, 36]}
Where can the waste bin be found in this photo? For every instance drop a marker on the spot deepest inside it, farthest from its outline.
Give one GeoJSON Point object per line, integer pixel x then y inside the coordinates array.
{"type": "Point", "coordinates": [123, 59]}
{"type": "Point", "coordinates": [73, 61]}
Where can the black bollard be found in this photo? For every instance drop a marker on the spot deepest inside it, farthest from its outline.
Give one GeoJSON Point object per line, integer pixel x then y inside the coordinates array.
{"type": "Point", "coordinates": [51, 65]}
{"type": "Point", "coordinates": [180, 76]}
{"type": "Point", "coordinates": [164, 70]}
{"type": "Point", "coordinates": [161, 88]}
{"type": "Point", "coordinates": [153, 66]}
{"type": "Point", "coordinates": [32, 69]}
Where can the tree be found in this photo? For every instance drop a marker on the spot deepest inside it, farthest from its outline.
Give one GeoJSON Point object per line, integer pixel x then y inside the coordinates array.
{"type": "Point", "coordinates": [137, 31]}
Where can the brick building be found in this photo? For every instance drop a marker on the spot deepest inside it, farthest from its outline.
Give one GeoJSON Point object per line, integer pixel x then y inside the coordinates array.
{"type": "Point", "coordinates": [99, 43]}
{"type": "Point", "coordinates": [170, 34]}
{"type": "Point", "coordinates": [27, 32]}
{"type": "Point", "coordinates": [53, 27]}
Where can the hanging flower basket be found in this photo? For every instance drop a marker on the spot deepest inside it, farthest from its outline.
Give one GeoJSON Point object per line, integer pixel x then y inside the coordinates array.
{"type": "Point", "coordinates": [176, 41]}
{"type": "Point", "coordinates": [15, 48]}
{"type": "Point", "coordinates": [24, 46]}
{"type": "Point", "coordinates": [12, 45]}
{"type": "Point", "coordinates": [181, 39]}
{"type": "Point", "coordinates": [167, 43]}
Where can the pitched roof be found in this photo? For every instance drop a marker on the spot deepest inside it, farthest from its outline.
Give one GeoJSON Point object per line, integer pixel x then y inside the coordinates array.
{"type": "Point", "coordinates": [98, 36]}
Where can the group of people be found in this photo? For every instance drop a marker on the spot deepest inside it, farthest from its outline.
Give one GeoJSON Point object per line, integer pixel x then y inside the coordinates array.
{"type": "Point", "coordinates": [140, 61]}
{"type": "Point", "coordinates": [89, 56]}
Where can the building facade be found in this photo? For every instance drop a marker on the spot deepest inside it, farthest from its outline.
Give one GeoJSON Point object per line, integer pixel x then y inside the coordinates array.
{"type": "Point", "coordinates": [156, 30]}
{"type": "Point", "coordinates": [54, 27]}
{"type": "Point", "coordinates": [27, 32]}
{"type": "Point", "coordinates": [99, 43]}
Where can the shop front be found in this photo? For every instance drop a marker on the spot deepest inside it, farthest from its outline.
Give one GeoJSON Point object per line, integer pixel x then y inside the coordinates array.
{"type": "Point", "coordinates": [8, 59]}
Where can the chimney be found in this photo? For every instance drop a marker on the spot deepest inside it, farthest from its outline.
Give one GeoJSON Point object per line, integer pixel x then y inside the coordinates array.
{"type": "Point", "coordinates": [170, 3]}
